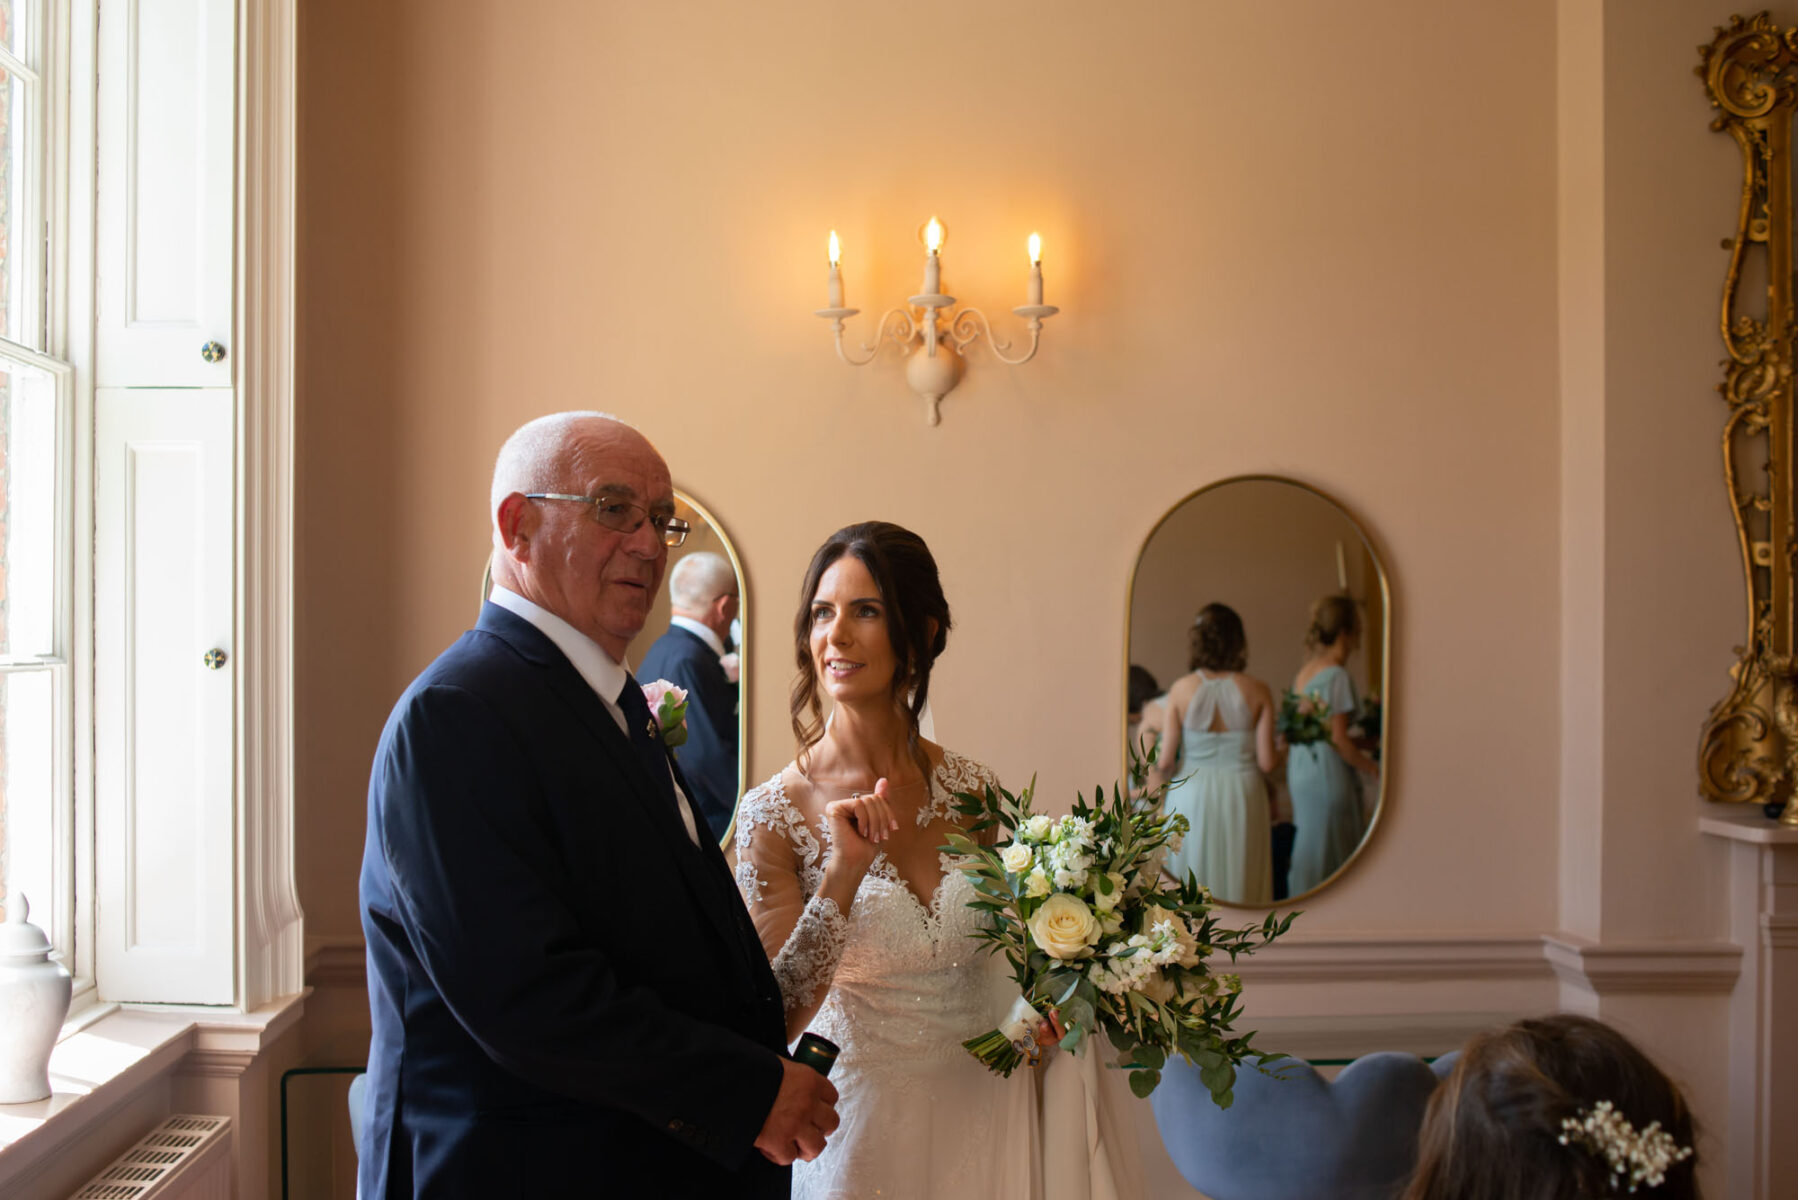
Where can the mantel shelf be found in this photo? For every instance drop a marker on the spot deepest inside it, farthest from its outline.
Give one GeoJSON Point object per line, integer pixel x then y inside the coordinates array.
{"type": "Point", "coordinates": [1748, 827]}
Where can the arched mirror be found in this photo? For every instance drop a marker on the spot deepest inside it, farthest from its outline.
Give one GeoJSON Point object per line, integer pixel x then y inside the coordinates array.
{"type": "Point", "coordinates": [695, 638]}
{"type": "Point", "coordinates": [1257, 663]}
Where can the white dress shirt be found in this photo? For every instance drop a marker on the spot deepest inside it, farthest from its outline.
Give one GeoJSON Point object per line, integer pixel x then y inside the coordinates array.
{"type": "Point", "coordinates": [603, 673]}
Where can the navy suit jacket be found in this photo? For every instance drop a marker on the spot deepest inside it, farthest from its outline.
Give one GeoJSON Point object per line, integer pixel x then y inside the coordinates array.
{"type": "Point", "coordinates": [709, 757]}
{"type": "Point", "coordinates": [565, 990]}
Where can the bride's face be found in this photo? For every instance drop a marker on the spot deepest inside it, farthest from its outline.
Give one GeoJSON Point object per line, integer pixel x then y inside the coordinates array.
{"type": "Point", "coordinates": [852, 657]}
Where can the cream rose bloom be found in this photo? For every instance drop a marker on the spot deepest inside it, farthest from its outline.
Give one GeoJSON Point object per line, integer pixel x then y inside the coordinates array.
{"type": "Point", "coordinates": [1064, 927]}
{"type": "Point", "coordinates": [1189, 945]}
{"type": "Point", "coordinates": [1016, 857]}
{"type": "Point", "coordinates": [1037, 884]}
{"type": "Point", "coordinates": [1037, 827]}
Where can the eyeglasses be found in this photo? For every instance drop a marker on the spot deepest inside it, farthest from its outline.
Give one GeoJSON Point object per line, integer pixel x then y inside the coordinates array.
{"type": "Point", "coordinates": [624, 516]}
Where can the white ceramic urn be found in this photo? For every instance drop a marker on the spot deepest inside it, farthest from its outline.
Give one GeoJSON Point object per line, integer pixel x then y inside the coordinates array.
{"type": "Point", "coordinates": [34, 1000]}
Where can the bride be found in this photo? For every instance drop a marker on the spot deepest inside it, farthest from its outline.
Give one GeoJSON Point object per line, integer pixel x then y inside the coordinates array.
{"type": "Point", "coordinates": [867, 924]}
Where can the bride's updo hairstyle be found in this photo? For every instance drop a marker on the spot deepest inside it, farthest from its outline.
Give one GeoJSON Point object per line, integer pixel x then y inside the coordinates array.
{"type": "Point", "coordinates": [1218, 642]}
{"type": "Point", "coordinates": [917, 617]}
{"type": "Point", "coordinates": [1332, 617]}
{"type": "Point", "coordinates": [1493, 1129]}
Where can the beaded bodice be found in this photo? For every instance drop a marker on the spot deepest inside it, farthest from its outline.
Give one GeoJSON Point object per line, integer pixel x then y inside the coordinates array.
{"type": "Point", "coordinates": [905, 979]}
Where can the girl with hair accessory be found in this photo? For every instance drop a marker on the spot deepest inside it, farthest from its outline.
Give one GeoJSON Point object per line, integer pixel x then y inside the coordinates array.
{"type": "Point", "coordinates": [1322, 776]}
{"type": "Point", "coordinates": [1556, 1108]}
{"type": "Point", "coordinates": [1218, 725]}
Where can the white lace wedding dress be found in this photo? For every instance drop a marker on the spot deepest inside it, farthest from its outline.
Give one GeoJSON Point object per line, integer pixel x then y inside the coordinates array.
{"type": "Point", "coordinates": [907, 984]}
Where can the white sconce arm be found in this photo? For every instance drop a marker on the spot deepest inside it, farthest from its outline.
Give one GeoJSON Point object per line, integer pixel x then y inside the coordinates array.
{"type": "Point", "coordinates": [900, 334]}
{"type": "Point", "coordinates": [971, 324]}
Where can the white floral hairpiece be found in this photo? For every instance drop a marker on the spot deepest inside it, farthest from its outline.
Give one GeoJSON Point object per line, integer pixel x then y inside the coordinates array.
{"type": "Point", "coordinates": [1635, 1157]}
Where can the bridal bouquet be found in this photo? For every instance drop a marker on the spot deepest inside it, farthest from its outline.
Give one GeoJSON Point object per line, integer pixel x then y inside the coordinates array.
{"type": "Point", "coordinates": [1096, 933]}
{"type": "Point", "coordinates": [1303, 718]}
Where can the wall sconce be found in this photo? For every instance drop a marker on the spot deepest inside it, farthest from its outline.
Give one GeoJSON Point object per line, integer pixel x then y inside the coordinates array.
{"type": "Point", "coordinates": [936, 339]}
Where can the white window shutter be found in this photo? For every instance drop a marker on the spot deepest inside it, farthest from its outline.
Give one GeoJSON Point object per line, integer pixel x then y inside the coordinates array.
{"type": "Point", "coordinates": [164, 235]}
{"type": "Point", "coordinates": [163, 745]}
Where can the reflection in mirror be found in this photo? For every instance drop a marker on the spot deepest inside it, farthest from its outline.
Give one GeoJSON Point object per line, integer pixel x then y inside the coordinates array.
{"type": "Point", "coordinates": [693, 639]}
{"type": "Point", "coordinates": [1257, 665]}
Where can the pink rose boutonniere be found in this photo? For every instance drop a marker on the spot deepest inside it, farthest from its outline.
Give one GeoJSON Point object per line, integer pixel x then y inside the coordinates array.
{"type": "Point", "coordinates": [668, 704]}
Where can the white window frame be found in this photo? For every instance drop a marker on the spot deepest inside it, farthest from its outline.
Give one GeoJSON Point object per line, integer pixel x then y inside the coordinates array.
{"type": "Point", "coordinates": [55, 178]}
{"type": "Point", "coordinates": [269, 928]}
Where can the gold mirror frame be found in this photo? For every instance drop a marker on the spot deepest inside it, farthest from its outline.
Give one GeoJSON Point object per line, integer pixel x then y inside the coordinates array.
{"type": "Point", "coordinates": [686, 507]}
{"type": "Point", "coordinates": [1748, 751]}
{"type": "Point", "coordinates": [1381, 578]}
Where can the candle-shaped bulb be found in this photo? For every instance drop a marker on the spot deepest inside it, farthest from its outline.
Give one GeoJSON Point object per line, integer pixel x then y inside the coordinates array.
{"type": "Point", "coordinates": [933, 262]}
{"type": "Point", "coordinates": [834, 285]}
{"type": "Point", "coordinates": [1035, 295]}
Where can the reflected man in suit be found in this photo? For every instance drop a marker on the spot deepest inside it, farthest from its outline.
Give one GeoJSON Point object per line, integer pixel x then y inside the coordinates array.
{"type": "Point", "coordinates": [565, 989]}
{"type": "Point", "coordinates": [703, 597]}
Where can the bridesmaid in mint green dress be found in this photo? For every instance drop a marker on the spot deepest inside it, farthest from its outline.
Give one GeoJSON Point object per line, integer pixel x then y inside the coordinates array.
{"type": "Point", "coordinates": [1323, 776]}
{"type": "Point", "coordinates": [1222, 722]}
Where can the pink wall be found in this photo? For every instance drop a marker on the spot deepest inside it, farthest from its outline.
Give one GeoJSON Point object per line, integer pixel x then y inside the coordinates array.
{"type": "Point", "coordinates": [625, 206]}
{"type": "Point", "coordinates": [1364, 246]}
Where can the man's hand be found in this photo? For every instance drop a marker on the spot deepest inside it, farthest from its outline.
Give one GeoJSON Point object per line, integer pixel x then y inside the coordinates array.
{"type": "Point", "coordinates": [804, 1113]}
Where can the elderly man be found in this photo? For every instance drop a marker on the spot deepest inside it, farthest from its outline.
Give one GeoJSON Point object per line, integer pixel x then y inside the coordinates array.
{"type": "Point", "coordinates": [702, 595]}
{"type": "Point", "coordinates": [565, 988]}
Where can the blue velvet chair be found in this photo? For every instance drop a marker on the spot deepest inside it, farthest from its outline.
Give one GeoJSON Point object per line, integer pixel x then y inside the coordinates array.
{"type": "Point", "coordinates": [1300, 1136]}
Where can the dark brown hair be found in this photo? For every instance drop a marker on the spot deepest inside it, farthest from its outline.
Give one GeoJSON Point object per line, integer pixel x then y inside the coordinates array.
{"type": "Point", "coordinates": [1218, 642]}
{"type": "Point", "coordinates": [917, 617]}
{"type": "Point", "coordinates": [1492, 1129]}
{"type": "Point", "coordinates": [1331, 618]}
{"type": "Point", "coordinates": [1140, 689]}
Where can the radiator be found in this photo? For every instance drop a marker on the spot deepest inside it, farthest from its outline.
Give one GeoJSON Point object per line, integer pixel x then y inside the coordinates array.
{"type": "Point", "coordinates": [184, 1158]}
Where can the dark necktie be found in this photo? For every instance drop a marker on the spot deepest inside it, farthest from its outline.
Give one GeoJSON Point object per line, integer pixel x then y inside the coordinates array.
{"type": "Point", "coordinates": [645, 740]}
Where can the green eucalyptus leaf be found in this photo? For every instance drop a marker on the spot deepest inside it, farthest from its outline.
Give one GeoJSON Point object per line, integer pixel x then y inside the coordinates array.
{"type": "Point", "coordinates": [1144, 1082]}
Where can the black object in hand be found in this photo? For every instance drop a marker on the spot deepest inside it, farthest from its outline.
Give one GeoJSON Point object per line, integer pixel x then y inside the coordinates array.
{"type": "Point", "coordinates": [818, 1053]}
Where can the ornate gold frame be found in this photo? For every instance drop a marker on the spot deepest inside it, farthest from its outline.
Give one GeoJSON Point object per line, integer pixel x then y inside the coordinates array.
{"type": "Point", "coordinates": [1748, 751]}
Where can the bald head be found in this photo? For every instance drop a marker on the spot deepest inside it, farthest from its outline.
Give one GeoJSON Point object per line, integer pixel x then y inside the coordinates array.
{"type": "Point", "coordinates": [698, 579]}
{"type": "Point", "coordinates": [540, 454]}
{"type": "Point", "coordinates": [552, 550]}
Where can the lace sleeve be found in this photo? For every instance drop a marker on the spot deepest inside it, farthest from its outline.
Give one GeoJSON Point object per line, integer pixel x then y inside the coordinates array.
{"type": "Point", "coordinates": [960, 773]}
{"type": "Point", "coordinates": [779, 870]}
{"type": "Point", "coordinates": [807, 963]}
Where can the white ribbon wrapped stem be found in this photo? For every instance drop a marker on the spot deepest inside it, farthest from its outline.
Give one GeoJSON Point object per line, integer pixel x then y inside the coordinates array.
{"type": "Point", "coordinates": [1019, 1028]}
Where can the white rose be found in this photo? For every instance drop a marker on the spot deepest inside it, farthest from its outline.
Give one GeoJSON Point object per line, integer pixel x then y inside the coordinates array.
{"type": "Point", "coordinates": [1189, 945]}
{"type": "Point", "coordinates": [1016, 857]}
{"type": "Point", "coordinates": [1037, 828]}
{"type": "Point", "coordinates": [1037, 884]}
{"type": "Point", "coordinates": [1064, 927]}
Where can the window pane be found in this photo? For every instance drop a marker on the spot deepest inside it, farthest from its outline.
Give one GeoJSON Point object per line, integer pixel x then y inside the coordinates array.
{"type": "Point", "coordinates": [27, 749]}
{"type": "Point", "coordinates": [17, 254]}
{"type": "Point", "coordinates": [14, 14]}
{"type": "Point", "coordinates": [28, 512]}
